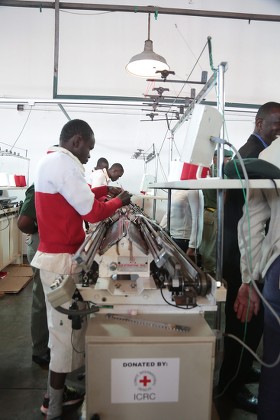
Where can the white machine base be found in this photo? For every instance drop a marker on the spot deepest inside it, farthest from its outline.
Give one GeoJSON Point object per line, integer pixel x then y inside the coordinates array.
{"type": "Point", "coordinates": [148, 369]}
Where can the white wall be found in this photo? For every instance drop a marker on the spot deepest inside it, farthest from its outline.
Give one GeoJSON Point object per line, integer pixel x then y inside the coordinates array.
{"type": "Point", "coordinates": [117, 137]}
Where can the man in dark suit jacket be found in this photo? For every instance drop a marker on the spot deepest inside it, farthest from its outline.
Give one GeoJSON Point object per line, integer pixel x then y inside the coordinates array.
{"type": "Point", "coordinates": [237, 369]}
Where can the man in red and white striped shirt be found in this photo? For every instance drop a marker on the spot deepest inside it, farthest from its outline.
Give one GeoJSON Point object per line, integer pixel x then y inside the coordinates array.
{"type": "Point", "coordinates": [63, 201]}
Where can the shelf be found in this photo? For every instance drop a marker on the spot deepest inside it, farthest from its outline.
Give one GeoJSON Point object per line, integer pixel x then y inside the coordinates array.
{"type": "Point", "coordinates": [9, 154]}
{"type": "Point", "coordinates": [12, 165]}
{"type": "Point", "coordinates": [215, 183]}
{"type": "Point", "coordinates": [13, 188]}
{"type": "Point", "coordinates": [9, 211]}
{"type": "Point", "coordinates": [151, 197]}
{"type": "Point", "coordinates": [10, 237]}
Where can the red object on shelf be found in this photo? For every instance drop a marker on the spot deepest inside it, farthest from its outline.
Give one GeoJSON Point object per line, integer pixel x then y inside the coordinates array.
{"type": "Point", "coordinates": [20, 181]}
{"type": "Point", "coordinates": [17, 180]}
{"type": "Point", "coordinates": [190, 171]}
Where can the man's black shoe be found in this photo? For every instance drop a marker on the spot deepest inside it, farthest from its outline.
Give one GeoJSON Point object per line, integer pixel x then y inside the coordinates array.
{"type": "Point", "coordinates": [245, 400]}
{"type": "Point", "coordinates": [253, 376]}
{"type": "Point", "coordinates": [42, 360]}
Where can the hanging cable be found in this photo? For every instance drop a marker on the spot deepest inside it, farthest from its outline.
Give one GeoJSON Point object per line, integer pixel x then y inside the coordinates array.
{"type": "Point", "coordinates": [22, 129]}
{"type": "Point", "coordinates": [192, 70]}
{"type": "Point", "coordinates": [210, 54]}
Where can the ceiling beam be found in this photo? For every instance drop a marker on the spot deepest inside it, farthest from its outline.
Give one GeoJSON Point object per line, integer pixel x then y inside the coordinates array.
{"type": "Point", "coordinates": [142, 9]}
{"type": "Point", "coordinates": [111, 101]}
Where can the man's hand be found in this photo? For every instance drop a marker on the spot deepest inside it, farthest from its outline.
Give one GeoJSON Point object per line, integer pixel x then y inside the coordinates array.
{"type": "Point", "coordinates": [124, 196]}
{"type": "Point", "coordinates": [191, 252]}
{"type": "Point", "coordinates": [247, 302]}
{"type": "Point", "coordinates": [114, 191]}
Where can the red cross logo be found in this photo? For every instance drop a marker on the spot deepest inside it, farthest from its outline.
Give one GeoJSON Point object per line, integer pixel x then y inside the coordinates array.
{"type": "Point", "coordinates": [145, 381]}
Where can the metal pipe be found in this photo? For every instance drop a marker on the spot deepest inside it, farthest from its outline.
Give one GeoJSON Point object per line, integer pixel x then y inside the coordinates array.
{"type": "Point", "coordinates": [56, 49]}
{"type": "Point", "coordinates": [168, 210]}
{"type": "Point", "coordinates": [220, 193]}
{"type": "Point", "coordinates": [199, 98]}
{"type": "Point", "coordinates": [64, 112]}
{"type": "Point", "coordinates": [143, 9]}
{"type": "Point", "coordinates": [155, 190]}
{"type": "Point", "coordinates": [87, 100]}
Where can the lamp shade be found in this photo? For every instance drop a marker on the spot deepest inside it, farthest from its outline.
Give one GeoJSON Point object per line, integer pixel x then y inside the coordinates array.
{"type": "Point", "coordinates": [147, 62]}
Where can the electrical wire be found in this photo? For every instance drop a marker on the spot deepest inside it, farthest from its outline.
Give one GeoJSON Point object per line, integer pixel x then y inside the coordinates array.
{"type": "Point", "coordinates": [86, 14]}
{"type": "Point", "coordinates": [176, 306]}
{"type": "Point", "coordinates": [6, 217]}
{"type": "Point", "coordinates": [192, 70]}
{"type": "Point", "coordinates": [183, 38]}
{"type": "Point", "coordinates": [22, 128]}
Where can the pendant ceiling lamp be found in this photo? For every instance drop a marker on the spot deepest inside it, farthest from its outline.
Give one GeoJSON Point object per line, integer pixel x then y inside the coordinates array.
{"type": "Point", "coordinates": [147, 62]}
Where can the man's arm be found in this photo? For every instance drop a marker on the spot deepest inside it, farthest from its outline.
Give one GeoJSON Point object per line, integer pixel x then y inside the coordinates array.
{"type": "Point", "coordinates": [27, 221]}
{"type": "Point", "coordinates": [26, 224]}
{"type": "Point", "coordinates": [100, 191]}
{"type": "Point", "coordinates": [196, 201]}
{"type": "Point", "coordinates": [251, 232]}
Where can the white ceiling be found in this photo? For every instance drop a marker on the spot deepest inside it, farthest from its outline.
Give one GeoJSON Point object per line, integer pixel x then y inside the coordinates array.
{"type": "Point", "coordinates": [95, 46]}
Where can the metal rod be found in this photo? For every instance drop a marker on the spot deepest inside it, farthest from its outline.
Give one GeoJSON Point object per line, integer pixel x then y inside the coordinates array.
{"type": "Point", "coordinates": [199, 98]}
{"type": "Point", "coordinates": [155, 191]}
{"type": "Point", "coordinates": [220, 193]}
{"type": "Point", "coordinates": [64, 112]}
{"type": "Point", "coordinates": [143, 9]}
{"type": "Point", "coordinates": [176, 81]}
{"type": "Point", "coordinates": [87, 100]}
{"type": "Point", "coordinates": [56, 49]}
{"type": "Point", "coordinates": [168, 210]}
{"type": "Point", "coordinates": [149, 26]}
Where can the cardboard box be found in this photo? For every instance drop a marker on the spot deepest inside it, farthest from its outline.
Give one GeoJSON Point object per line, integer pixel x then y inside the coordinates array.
{"type": "Point", "coordinates": [17, 277]}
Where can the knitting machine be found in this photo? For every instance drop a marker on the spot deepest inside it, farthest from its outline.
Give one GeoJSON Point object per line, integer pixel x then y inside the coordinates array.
{"type": "Point", "coordinates": [140, 281]}
{"type": "Point", "coordinates": [131, 265]}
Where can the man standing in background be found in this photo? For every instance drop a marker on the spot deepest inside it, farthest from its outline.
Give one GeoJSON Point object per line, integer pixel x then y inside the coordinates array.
{"type": "Point", "coordinates": [103, 177]}
{"type": "Point", "coordinates": [237, 367]}
{"type": "Point", "coordinates": [186, 220]}
{"type": "Point", "coordinates": [27, 223]}
{"type": "Point", "coordinates": [208, 245]}
{"type": "Point", "coordinates": [260, 261]}
{"type": "Point", "coordinates": [102, 163]}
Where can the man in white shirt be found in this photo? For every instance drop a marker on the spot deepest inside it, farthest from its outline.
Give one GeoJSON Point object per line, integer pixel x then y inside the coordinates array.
{"type": "Point", "coordinates": [186, 219]}
{"type": "Point", "coordinates": [103, 176]}
{"type": "Point", "coordinates": [260, 261]}
{"type": "Point", "coordinates": [102, 163]}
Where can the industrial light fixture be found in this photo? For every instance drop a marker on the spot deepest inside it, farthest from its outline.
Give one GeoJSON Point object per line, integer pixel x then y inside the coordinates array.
{"type": "Point", "coordinates": [147, 155]}
{"type": "Point", "coordinates": [147, 63]}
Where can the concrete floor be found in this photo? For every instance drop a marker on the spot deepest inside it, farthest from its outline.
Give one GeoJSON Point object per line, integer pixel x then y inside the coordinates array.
{"type": "Point", "coordinates": [23, 383]}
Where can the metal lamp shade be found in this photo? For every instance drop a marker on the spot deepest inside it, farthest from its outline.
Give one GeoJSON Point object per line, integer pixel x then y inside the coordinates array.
{"type": "Point", "coordinates": [147, 62]}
